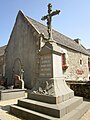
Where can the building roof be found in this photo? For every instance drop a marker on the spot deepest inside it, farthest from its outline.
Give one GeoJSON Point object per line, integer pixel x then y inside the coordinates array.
{"type": "Point", "coordinates": [2, 50]}
{"type": "Point", "coordinates": [60, 38]}
{"type": "Point", "coordinates": [88, 50]}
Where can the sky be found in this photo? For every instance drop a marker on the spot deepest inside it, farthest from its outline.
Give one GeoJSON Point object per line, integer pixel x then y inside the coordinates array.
{"type": "Point", "coordinates": [73, 20]}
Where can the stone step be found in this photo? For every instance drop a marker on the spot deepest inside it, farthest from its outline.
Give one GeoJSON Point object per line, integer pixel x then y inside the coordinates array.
{"type": "Point", "coordinates": [77, 113]}
{"type": "Point", "coordinates": [59, 110]}
{"type": "Point", "coordinates": [27, 114]}
{"type": "Point", "coordinates": [70, 105]}
{"type": "Point", "coordinates": [41, 107]}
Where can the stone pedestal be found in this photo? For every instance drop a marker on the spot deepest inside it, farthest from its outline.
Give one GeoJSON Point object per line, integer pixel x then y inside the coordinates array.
{"type": "Point", "coordinates": [51, 91]}
{"type": "Point", "coordinates": [51, 82]}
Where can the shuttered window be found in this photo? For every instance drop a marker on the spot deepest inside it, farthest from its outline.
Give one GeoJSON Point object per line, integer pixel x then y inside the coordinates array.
{"type": "Point", "coordinates": [89, 63]}
{"type": "Point", "coordinates": [63, 59]}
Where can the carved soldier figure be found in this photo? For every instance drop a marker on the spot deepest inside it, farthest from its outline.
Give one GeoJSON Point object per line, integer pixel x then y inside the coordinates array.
{"type": "Point", "coordinates": [19, 83]}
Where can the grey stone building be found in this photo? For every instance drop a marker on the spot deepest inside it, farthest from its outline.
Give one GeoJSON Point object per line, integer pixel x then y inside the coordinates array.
{"type": "Point", "coordinates": [2, 62]}
{"type": "Point", "coordinates": [22, 52]}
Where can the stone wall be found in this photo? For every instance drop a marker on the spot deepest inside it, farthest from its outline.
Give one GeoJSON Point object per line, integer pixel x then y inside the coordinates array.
{"type": "Point", "coordinates": [21, 52]}
{"type": "Point", "coordinates": [2, 62]}
{"type": "Point", "coordinates": [1, 66]}
{"type": "Point", "coordinates": [76, 71]}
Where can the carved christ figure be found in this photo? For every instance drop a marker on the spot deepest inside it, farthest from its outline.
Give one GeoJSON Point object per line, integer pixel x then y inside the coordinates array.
{"type": "Point", "coordinates": [49, 19]}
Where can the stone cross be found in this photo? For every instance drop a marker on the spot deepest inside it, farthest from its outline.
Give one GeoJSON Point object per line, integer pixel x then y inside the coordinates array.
{"type": "Point", "coordinates": [49, 20]}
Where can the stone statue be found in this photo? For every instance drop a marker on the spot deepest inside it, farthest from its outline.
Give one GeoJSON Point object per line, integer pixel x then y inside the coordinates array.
{"type": "Point", "coordinates": [18, 82]}
{"type": "Point", "coordinates": [22, 71]}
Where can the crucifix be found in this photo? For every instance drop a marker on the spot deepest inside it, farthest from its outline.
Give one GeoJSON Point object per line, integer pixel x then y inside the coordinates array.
{"type": "Point", "coordinates": [48, 17]}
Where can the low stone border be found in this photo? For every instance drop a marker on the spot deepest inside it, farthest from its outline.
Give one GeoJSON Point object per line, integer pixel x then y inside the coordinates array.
{"type": "Point", "coordinates": [11, 94]}
{"type": "Point", "coordinates": [80, 88]}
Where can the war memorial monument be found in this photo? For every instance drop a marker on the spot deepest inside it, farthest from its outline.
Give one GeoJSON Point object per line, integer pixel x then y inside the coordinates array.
{"type": "Point", "coordinates": [50, 98]}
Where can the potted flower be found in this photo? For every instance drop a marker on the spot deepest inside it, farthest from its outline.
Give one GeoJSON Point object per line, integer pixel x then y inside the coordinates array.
{"type": "Point", "coordinates": [65, 66]}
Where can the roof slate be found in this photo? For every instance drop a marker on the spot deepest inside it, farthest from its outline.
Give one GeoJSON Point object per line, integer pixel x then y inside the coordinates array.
{"type": "Point", "coordinates": [60, 38]}
{"type": "Point", "coordinates": [88, 50]}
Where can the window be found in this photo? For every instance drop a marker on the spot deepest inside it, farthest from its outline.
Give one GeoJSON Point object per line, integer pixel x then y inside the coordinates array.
{"type": "Point", "coordinates": [89, 63]}
{"type": "Point", "coordinates": [81, 61]}
{"type": "Point", "coordinates": [64, 65]}
{"type": "Point", "coordinates": [63, 59]}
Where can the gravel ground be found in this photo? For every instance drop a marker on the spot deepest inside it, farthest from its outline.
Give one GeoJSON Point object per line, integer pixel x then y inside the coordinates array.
{"type": "Point", "coordinates": [86, 116]}
{"type": "Point", "coordinates": [5, 116]}
{"type": "Point", "coordinates": [4, 108]}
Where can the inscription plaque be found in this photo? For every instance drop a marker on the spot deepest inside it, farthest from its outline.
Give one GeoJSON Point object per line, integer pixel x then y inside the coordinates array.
{"type": "Point", "coordinates": [45, 66]}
